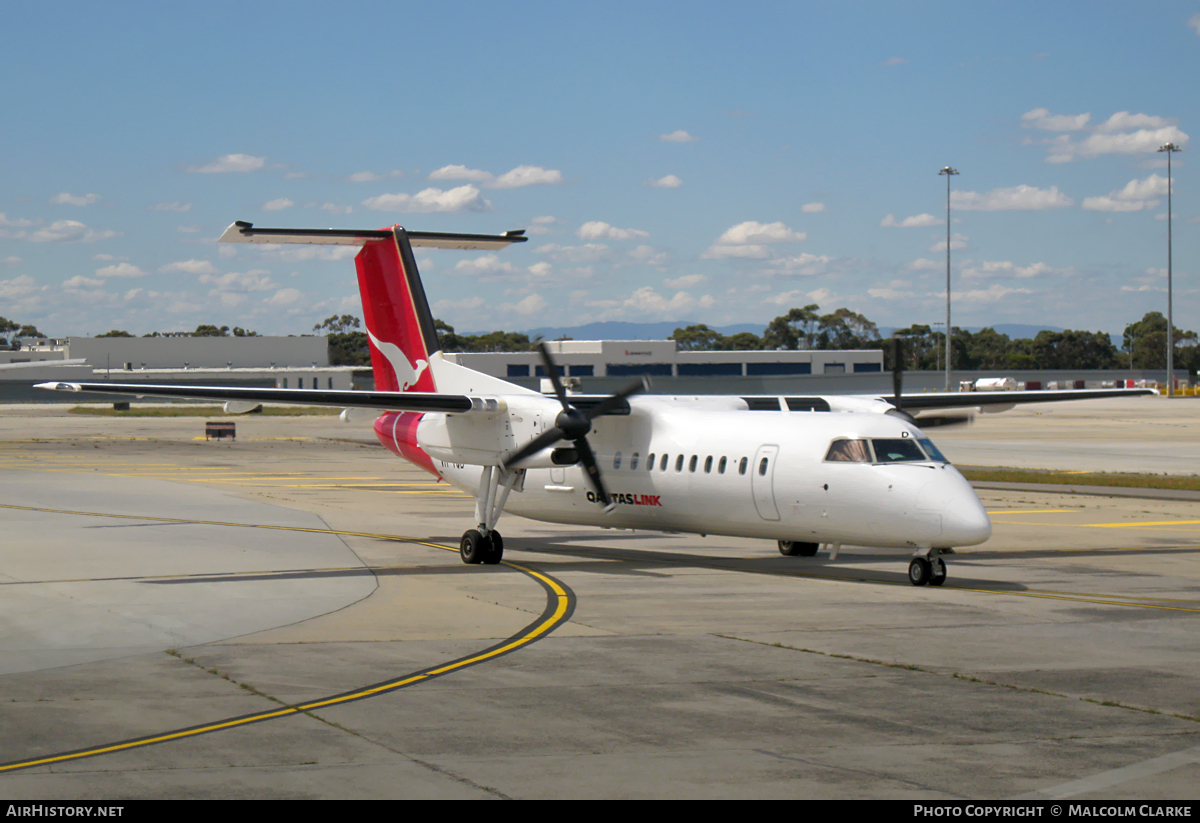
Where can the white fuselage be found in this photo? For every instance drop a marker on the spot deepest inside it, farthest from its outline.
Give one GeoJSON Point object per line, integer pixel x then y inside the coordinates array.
{"type": "Point", "coordinates": [745, 473]}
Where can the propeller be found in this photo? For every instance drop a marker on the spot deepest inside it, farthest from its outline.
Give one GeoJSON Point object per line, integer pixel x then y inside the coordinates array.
{"type": "Point", "coordinates": [573, 424]}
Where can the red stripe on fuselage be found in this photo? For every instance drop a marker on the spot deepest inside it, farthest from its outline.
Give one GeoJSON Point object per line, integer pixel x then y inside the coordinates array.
{"type": "Point", "coordinates": [397, 431]}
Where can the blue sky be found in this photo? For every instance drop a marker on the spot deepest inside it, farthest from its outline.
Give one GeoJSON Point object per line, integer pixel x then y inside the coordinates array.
{"type": "Point", "coordinates": [712, 162]}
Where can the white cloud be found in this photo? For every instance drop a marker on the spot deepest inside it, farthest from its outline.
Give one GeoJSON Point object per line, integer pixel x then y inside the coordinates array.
{"type": "Point", "coordinates": [909, 222]}
{"type": "Point", "coordinates": [68, 199]}
{"type": "Point", "coordinates": [17, 287]}
{"type": "Point", "coordinates": [921, 264]}
{"type": "Point", "coordinates": [803, 265]}
{"type": "Point", "coordinates": [1005, 268]}
{"type": "Point", "coordinates": [188, 267]}
{"type": "Point", "coordinates": [544, 219]}
{"type": "Point", "coordinates": [467, 304]}
{"type": "Point", "coordinates": [813, 208]}
{"type": "Point", "coordinates": [253, 280]}
{"type": "Point", "coordinates": [278, 204]}
{"type": "Point", "coordinates": [334, 208]}
{"type": "Point", "coordinates": [1121, 133]}
{"type": "Point", "coordinates": [230, 163]}
{"type": "Point", "coordinates": [284, 297]}
{"type": "Point", "coordinates": [487, 264]}
{"type": "Point", "coordinates": [187, 229]}
{"type": "Point", "coordinates": [992, 294]}
{"type": "Point", "coordinates": [461, 173]}
{"type": "Point", "coordinates": [526, 176]}
{"type": "Point", "coordinates": [10, 261]}
{"type": "Point", "coordinates": [293, 254]}
{"type": "Point", "coordinates": [68, 231]}
{"type": "Point", "coordinates": [463, 198]}
{"type": "Point", "coordinates": [668, 182]}
{"type": "Point", "coordinates": [748, 239]}
{"type": "Point", "coordinates": [958, 241]}
{"type": "Point", "coordinates": [1194, 22]}
{"type": "Point", "coordinates": [679, 136]}
{"type": "Point", "coordinates": [120, 270]}
{"type": "Point", "coordinates": [1135, 196]}
{"type": "Point", "coordinates": [687, 281]}
{"type": "Point", "coordinates": [894, 61]}
{"type": "Point", "coordinates": [1016, 198]}
{"type": "Point", "coordinates": [587, 253]}
{"type": "Point", "coordinates": [19, 223]}
{"type": "Point", "coordinates": [650, 256]}
{"type": "Point", "coordinates": [797, 296]}
{"type": "Point", "coordinates": [372, 177]}
{"type": "Point", "coordinates": [175, 206]}
{"type": "Point", "coordinates": [598, 230]}
{"type": "Point", "coordinates": [533, 304]}
{"type": "Point", "coordinates": [1043, 119]}
{"type": "Point", "coordinates": [79, 282]}
{"type": "Point", "coordinates": [754, 232]}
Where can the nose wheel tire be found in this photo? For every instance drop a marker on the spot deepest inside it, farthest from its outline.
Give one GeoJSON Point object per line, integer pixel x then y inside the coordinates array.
{"type": "Point", "coordinates": [922, 572]}
{"type": "Point", "coordinates": [794, 548]}
{"type": "Point", "coordinates": [475, 548]}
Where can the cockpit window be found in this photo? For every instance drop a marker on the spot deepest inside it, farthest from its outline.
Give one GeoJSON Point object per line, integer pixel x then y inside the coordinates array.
{"type": "Point", "coordinates": [898, 451]}
{"type": "Point", "coordinates": [848, 451]}
{"type": "Point", "coordinates": [932, 450]}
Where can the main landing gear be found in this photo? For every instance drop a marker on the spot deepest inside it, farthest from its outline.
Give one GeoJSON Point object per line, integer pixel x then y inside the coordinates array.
{"type": "Point", "coordinates": [483, 544]}
{"type": "Point", "coordinates": [794, 548]}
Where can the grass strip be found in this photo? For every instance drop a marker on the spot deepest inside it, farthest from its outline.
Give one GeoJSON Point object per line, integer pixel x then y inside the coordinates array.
{"type": "Point", "coordinates": [1001, 474]}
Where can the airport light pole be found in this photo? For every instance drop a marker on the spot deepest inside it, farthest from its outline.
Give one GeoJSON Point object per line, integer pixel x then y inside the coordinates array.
{"type": "Point", "coordinates": [937, 351]}
{"type": "Point", "coordinates": [949, 172]}
{"type": "Point", "coordinates": [1169, 148]}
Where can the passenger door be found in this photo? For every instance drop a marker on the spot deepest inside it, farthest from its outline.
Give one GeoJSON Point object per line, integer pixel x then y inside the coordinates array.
{"type": "Point", "coordinates": [762, 484]}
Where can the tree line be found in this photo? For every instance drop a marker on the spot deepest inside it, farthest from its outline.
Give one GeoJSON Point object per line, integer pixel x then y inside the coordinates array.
{"type": "Point", "coordinates": [1144, 342]}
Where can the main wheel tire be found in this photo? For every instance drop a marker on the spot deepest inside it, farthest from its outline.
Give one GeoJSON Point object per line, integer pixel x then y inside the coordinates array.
{"type": "Point", "coordinates": [472, 548]}
{"type": "Point", "coordinates": [495, 548]}
{"type": "Point", "coordinates": [794, 548]}
{"type": "Point", "coordinates": [939, 573]}
{"type": "Point", "coordinates": [919, 571]}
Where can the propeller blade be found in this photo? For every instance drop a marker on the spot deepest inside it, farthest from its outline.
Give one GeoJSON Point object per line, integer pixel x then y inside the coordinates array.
{"type": "Point", "coordinates": [588, 459]}
{"type": "Point", "coordinates": [544, 440]}
{"type": "Point", "coordinates": [608, 404]}
{"type": "Point", "coordinates": [552, 371]}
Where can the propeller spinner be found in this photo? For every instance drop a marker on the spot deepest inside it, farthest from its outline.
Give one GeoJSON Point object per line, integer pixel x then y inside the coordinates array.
{"type": "Point", "coordinates": [573, 424]}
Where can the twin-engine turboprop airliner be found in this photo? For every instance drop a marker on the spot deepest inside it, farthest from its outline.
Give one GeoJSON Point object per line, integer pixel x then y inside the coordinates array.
{"type": "Point", "coordinates": [789, 469]}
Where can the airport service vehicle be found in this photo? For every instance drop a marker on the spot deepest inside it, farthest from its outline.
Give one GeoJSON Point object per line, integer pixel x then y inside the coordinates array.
{"type": "Point", "coordinates": [802, 471]}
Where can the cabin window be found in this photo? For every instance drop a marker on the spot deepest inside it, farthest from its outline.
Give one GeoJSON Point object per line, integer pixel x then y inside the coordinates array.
{"type": "Point", "coordinates": [692, 464]}
{"type": "Point", "coordinates": [721, 466]}
{"type": "Point", "coordinates": [742, 466]}
{"type": "Point", "coordinates": [679, 463]}
{"type": "Point", "coordinates": [897, 451]}
{"type": "Point", "coordinates": [662, 467]}
{"type": "Point", "coordinates": [848, 451]}
{"type": "Point", "coordinates": [932, 450]}
{"type": "Point", "coordinates": [617, 460]}
{"type": "Point", "coordinates": [650, 463]}
{"type": "Point", "coordinates": [762, 467]}
{"type": "Point", "coordinates": [708, 464]}
{"type": "Point", "coordinates": [633, 458]}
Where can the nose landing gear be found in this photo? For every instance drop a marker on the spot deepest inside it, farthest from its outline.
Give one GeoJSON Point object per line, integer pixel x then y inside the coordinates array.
{"type": "Point", "coordinates": [927, 570]}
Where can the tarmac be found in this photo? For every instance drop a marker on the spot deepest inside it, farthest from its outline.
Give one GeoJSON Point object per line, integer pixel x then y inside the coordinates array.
{"type": "Point", "coordinates": [286, 616]}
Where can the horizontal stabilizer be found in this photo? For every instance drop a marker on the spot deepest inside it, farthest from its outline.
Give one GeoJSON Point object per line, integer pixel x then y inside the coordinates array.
{"type": "Point", "coordinates": [384, 401]}
{"type": "Point", "coordinates": [242, 232]}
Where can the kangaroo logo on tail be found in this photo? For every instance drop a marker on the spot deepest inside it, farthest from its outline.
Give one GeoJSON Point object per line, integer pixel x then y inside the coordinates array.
{"type": "Point", "coordinates": [406, 375]}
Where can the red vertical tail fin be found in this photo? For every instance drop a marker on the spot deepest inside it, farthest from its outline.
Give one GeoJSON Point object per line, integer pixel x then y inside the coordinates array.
{"type": "Point", "coordinates": [399, 324]}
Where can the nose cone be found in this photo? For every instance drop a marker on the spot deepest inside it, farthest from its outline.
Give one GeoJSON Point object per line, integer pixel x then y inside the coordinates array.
{"type": "Point", "coordinates": [964, 520]}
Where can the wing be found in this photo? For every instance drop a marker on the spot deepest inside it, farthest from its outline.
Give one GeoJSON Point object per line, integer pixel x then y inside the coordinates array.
{"type": "Point", "coordinates": [984, 399]}
{"type": "Point", "coordinates": [384, 401]}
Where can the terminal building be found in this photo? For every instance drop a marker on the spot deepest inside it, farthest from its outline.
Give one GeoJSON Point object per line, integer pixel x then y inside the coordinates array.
{"type": "Point", "coordinates": [261, 362]}
{"type": "Point", "coordinates": [661, 358]}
